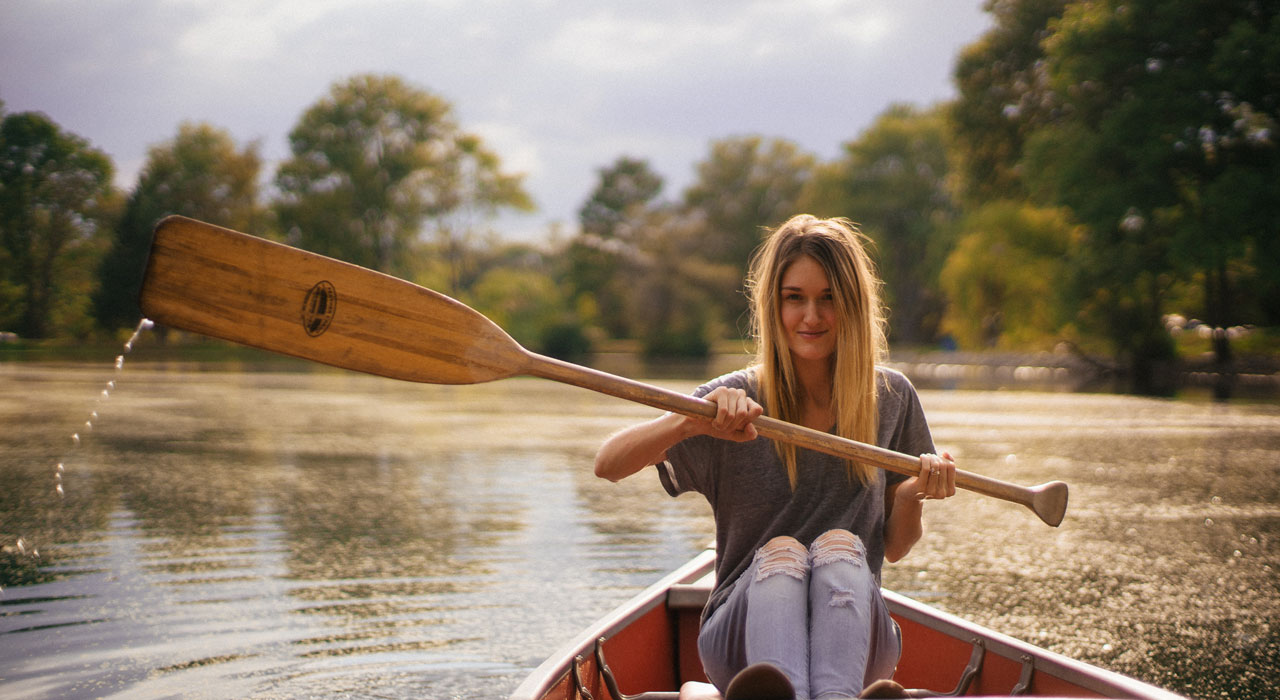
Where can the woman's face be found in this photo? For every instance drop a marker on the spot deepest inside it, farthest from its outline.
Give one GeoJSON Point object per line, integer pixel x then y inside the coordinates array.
{"type": "Point", "coordinates": [808, 310]}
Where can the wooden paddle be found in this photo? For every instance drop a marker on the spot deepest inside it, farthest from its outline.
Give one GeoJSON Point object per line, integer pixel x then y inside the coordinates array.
{"type": "Point", "coordinates": [230, 285]}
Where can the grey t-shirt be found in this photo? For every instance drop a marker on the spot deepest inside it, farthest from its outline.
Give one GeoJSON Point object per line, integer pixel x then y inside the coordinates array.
{"type": "Point", "coordinates": [752, 501]}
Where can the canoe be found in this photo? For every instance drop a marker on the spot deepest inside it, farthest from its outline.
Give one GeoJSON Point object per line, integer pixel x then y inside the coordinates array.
{"type": "Point", "coordinates": [646, 649]}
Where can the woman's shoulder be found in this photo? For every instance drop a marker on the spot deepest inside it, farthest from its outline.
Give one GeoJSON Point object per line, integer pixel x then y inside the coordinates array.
{"type": "Point", "coordinates": [891, 382]}
{"type": "Point", "coordinates": [738, 379]}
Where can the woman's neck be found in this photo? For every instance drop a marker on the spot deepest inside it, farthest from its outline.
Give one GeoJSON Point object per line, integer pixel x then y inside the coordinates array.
{"type": "Point", "coordinates": [815, 380]}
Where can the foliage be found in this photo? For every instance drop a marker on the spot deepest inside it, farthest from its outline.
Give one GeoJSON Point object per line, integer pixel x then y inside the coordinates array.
{"type": "Point", "coordinates": [377, 160]}
{"type": "Point", "coordinates": [604, 259]}
{"type": "Point", "coordinates": [1003, 278]}
{"type": "Point", "coordinates": [1165, 148]}
{"type": "Point", "coordinates": [55, 196]}
{"type": "Point", "coordinates": [1004, 96]}
{"type": "Point", "coordinates": [199, 174]}
{"type": "Point", "coordinates": [892, 181]}
{"type": "Point", "coordinates": [671, 275]}
{"type": "Point", "coordinates": [745, 186]}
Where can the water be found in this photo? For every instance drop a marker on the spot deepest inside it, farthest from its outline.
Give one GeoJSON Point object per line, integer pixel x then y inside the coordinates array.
{"type": "Point", "coordinates": [304, 532]}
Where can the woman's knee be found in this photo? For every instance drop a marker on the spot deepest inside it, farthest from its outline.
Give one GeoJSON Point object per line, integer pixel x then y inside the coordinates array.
{"type": "Point", "coordinates": [782, 555]}
{"type": "Point", "coordinates": [835, 546]}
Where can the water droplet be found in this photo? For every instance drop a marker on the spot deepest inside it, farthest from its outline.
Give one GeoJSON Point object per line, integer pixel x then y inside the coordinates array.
{"type": "Point", "coordinates": [1216, 500]}
{"type": "Point", "coordinates": [22, 546]}
{"type": "Point", "coordinates": [75, 439]}
{"type": "Point", "coordinates": [88, 426]}
{"type": "Point", "coordinates": [1106, 648]}
{"type": "Point", "coordinates": [58, 488]}
{"type": "Point", "coordinates": [147, 324]}
{"type": "Point", "coordinates": [128, 346]}
{"type": "Point", "coordinates": [1237, 553]}
{"type": "Point", "coordinates": [93, 415]}
{"type": "Point", "coordinates": [106, 394]}
{"type": "Point", "coordinates": [61, 468]}
{"type": "Point", "coordinates": [1011, 460]}
{"type": "Point", "coordinates": [111, 384]}
{"type": "Point", "coordinates": [1208, 522]}
{"type": "Point", "coordinates": [119, 361]}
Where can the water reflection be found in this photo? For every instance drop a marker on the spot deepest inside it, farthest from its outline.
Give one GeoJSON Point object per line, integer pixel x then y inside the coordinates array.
{"type": "Point", "coordinates": [323, 533]}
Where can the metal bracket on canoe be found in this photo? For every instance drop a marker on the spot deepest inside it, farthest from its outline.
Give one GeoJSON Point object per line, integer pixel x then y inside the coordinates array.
{"type": "Point", "coordinates": [578, 685]}
{"type": "Point", "coordinates": [611, 683]}
{"type": "Point", "coordinates": [1024, 681]}
{"type": "Point", "coordinates": [971, 670]}
{"type": "Point", "coordinates": [966, 677]}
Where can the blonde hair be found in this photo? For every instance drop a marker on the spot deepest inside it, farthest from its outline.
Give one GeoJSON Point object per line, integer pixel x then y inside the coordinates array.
{"type": "Point", "coordinates": [840, 248]}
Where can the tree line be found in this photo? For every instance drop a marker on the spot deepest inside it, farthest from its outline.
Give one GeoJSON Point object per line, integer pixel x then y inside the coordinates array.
{"type": "Point", "coordinates": [1107, 175]}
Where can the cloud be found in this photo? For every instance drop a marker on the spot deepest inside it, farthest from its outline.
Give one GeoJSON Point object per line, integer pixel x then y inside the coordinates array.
{"type": "Point", "coordinates": [558, 88]}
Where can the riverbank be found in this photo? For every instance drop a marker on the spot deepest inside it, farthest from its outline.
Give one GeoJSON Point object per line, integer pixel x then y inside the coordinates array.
{"type": "Point", "coordinates": [1252, 376]}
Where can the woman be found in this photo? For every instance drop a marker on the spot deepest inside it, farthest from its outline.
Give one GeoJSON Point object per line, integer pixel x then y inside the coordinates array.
{"type": "Point", "coordinates": [800, 536]}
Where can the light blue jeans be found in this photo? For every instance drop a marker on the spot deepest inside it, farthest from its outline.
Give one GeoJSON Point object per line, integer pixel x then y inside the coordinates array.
{"type": "Point", "coordinates": [815, 613]}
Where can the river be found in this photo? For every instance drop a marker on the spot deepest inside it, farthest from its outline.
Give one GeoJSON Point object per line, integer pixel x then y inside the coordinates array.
{"type": "Point", "coordinates": [292, 531]}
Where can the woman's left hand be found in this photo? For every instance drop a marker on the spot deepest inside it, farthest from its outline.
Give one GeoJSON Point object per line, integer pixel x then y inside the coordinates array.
{"type": "Point", "coordinates": [936, 480]}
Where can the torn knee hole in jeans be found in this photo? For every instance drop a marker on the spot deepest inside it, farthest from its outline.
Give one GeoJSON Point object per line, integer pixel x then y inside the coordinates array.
{"type": "Point", "coordinates": [838, 546]}
{"type": "Point", "coordinates": [782, 557]}
{"type": "Point", "coordinates": [843, 598]}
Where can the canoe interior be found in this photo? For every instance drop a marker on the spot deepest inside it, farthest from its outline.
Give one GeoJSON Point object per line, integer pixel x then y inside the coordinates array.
{"type": "Point", "coordinates": [650, 647]}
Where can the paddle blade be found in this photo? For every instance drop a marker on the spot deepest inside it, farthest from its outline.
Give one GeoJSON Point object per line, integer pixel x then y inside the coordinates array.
{"type": "Point", "coordinates": [249, 290]}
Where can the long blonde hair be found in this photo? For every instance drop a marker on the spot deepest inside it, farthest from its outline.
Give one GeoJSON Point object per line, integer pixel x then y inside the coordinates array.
{"type": "Point", "coordinates": [840, 248]}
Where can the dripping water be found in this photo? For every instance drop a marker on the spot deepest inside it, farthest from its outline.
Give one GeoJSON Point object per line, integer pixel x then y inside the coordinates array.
{"type": "Point", "coordinates": [22, 546]}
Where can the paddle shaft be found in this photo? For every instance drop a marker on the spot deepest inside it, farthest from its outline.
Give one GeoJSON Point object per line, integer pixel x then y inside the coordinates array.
{"type": "Point", "coordinates": [245, 289]}
{"type": "Point", "coordinates": [774, 429]}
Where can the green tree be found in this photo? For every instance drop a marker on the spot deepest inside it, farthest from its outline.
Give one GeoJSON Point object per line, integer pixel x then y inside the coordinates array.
{"type": "Point", "coordinates": [604, 258]}
{"type": "Point", "coordinates": [1165, 148]}
{"type": "Point", "coordinates": [377, 161]}
{"type": "Point", "coordinates": [892, 180]}
{"type": "Point", "coordinates": [1004, 95]}
{"type": "Point", "coordinates": [744, 186]}
{"type": "Point", "coordinates": [55, 199]}
{"type": "Point", "coordinates": [627, 186]}
{"type": "Point", "coordinates": [199, 173]}
{"type": "Point", "coordinates": [1003, 279]}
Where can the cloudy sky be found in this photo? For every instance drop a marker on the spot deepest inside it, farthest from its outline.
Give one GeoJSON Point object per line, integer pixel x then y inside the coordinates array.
{"type": "Point", "coordinates": [558, 88]}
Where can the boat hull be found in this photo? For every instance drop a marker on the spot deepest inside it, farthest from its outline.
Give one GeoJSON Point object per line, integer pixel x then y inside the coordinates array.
{"type": "Point", "coordinates": [648, 648]}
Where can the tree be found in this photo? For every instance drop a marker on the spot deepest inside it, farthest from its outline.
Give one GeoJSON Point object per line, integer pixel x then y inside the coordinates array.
{"type": "Point", "coordinates": [744, 186]}
{"type": "Point", "coordinates": [626, 186]}
{"type": "Point", "coordinates": [605, 256]}
{"type": "Point", "coordinates": [1003, 279]}
{"type": "Point", "coordinates": [1165, 149]}
{"type": "Point", "coordinates": [1004, 95]}
{"type": "Point", "coordinates": [55, 199]}
{"type": "Point", "coordinates": [199, 173]}
{"type": "Point", "coordinates": [892, 180]}
{"type": "Point", "coordinates": [376, 161]}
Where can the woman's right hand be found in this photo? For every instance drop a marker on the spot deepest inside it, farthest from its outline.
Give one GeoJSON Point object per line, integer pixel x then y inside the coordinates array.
{"type": "Point", "coordinates": [734, 413]}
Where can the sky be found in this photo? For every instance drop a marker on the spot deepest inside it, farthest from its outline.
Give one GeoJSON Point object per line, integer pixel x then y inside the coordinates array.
{"type": "Point", "coordinates": [557, 88]}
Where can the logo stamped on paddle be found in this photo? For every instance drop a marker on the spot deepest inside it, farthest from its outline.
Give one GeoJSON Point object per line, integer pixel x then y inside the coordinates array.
{"type": "Point", "coordinates": [318, 308]}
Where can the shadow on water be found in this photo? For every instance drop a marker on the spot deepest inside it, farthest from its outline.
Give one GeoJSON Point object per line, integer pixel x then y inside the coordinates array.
{"type": "Point", "coordinates": [318, 533]}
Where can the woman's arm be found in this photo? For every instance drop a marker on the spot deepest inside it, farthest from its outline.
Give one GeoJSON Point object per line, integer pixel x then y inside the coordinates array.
{"type": "Point", "coordinates": [904, 503]}
{"type": "Point", "coordinates": [639, 446]}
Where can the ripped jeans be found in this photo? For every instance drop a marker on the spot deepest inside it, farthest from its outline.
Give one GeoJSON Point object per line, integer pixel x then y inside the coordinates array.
{"type": "Point", "coordinates": [817, 614]}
